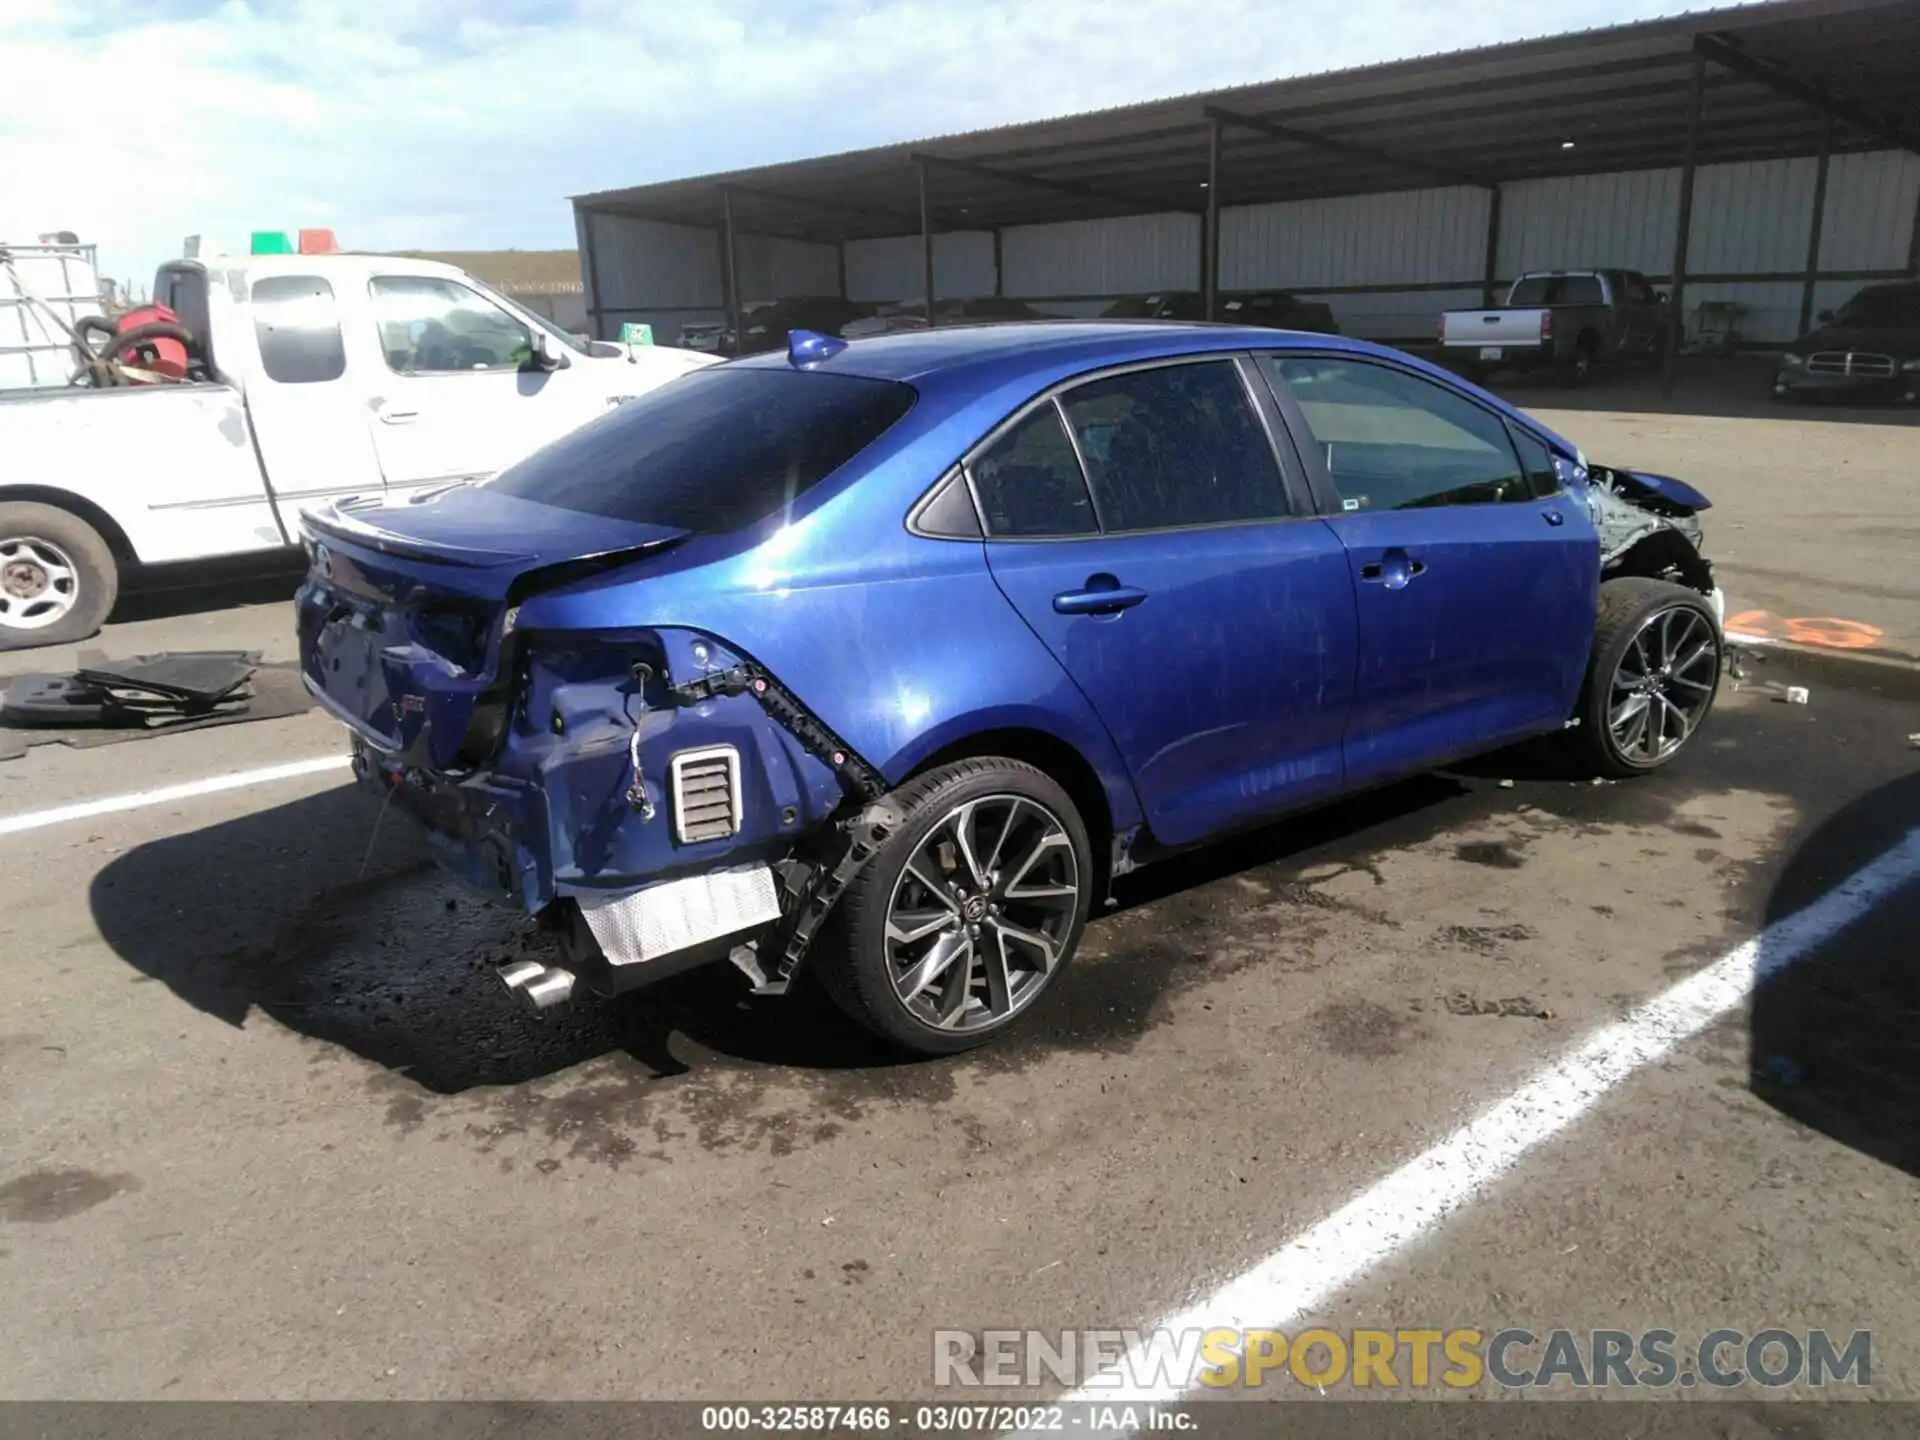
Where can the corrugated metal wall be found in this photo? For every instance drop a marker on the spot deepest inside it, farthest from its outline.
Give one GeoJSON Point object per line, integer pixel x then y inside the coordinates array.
{"type": "Point", "coordinates": [1870, 207]}
{"type": "Point", "coordinates": [1364, 255]}
{"type": "Point", "coordinates": [1412, 237]}
{"type": "Point", "coordinates": [895, 268]}
{"type": "Point", "coordinates": [769, 268]}
{"type": "Point", "coordinates": [642, 264]}
{"type": "Point", "coordinates": [1128, 255]}
{"type": "Point", "coordinates": [1753, 218]}
{"type": "Point", "coordinates": [1626, 220]}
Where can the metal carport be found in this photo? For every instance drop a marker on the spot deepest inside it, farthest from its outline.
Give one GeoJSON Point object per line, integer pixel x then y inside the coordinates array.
{"type": "Point", "coordinates": [1802, 81]}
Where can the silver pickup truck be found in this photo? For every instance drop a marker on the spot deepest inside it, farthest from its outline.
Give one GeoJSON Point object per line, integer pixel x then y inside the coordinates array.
{"type": "Point", "coordinates": [1568, 320]}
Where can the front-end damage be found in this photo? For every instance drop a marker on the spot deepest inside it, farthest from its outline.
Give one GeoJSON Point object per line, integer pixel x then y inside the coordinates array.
{"type": "Point", "coordinates": [1649, 525]}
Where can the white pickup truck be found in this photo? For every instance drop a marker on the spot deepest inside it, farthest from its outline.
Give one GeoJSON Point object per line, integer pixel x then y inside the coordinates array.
{"type": "Point", "coordinates": [331, 375]}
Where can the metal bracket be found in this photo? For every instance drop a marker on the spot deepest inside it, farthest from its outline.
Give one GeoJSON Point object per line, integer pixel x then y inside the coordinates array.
{"type": "Point", "coordinates": [815, 887]}
{"type": "Point", "coordinates": [860, 778]}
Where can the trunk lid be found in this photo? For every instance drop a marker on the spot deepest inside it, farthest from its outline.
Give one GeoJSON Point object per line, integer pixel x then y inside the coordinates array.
{"type": "Point", "coordinates": [402, 619]}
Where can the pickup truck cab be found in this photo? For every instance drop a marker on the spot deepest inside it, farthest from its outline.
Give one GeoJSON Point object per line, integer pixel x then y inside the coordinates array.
{"type": "Point", "coordinates": [1567, 320]}
{"type": "Point", "coordinates": [330, 376]}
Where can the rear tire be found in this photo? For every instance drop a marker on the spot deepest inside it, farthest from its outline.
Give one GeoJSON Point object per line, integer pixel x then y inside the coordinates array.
{"type": "Point", "coordinates": [1651, 679]}
{"type": "Point", "coordinates": [923, 954]}
{"type": "Point", "coordinates": [1579, 370]}
{"type": "Point", "coordinates": [58, 578]}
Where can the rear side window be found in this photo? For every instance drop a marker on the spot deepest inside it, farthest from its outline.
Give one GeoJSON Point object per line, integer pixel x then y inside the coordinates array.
{"type": "Point", "coordinates": [1173, 446]}
{"type": "Point", "coordinates": [1557, 290]}
{"type": "Point", "coordinates": [1394, 441]}
{"type": "Point", "coordinates": [1029, 482]}
{"type": "Point", "coordinates": [297, 325]}
{"type": "Point", "coordinates": [718, 450]}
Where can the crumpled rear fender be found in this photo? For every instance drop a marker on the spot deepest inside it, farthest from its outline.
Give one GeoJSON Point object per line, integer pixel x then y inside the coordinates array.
{"type": "Point", "coordinates": [554, 810]}
{"type": "Point", "coordinates": [918, 653]}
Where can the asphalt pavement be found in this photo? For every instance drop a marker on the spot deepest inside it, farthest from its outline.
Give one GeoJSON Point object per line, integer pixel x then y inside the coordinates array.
{"type": "Point", "coordinates": [273, 1130]}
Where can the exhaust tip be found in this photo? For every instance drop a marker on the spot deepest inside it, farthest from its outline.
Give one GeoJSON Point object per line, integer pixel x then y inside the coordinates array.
{"type": "Point", "coordinates": [521, 973]}
{"type": "Point", "coordinates": [540, 987]}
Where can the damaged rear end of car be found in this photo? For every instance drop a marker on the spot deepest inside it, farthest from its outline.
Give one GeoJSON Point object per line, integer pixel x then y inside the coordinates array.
{"type": "Point", "coordinates": [647, 789]}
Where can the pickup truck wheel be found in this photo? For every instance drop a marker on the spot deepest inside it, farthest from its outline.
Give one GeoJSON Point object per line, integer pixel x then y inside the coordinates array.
{"type": "Point", "coordinates": [58, 579]}
{"type": "Point", "coordinates": [1579, 370]}
{"type": "Point", "coordinates": [967, 914]}
{"type": "Point", "coordinates": [1652, 677]}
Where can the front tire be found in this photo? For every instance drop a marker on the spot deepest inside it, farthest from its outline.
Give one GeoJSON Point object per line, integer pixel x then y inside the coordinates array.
{"type": "Point", "coordinates": [968, 913]}
{"type": "Point", "coordinates": [1652, 676]}
{"type": "Point", "coordinates": [58, 579]}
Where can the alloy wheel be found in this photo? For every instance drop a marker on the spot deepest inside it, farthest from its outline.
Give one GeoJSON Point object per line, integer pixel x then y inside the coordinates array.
{"type": "Point", "coordinates": [38, 583]}
{"type": "Point", "coordinates": [981, 914]}
{"type": "Point", "coordinates": [1663, 684]}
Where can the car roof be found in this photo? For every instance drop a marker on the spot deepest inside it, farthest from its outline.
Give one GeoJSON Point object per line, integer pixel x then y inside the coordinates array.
{"type": "Point", "coordinates": [1040, 348]}
{"type": "Point", "coordinates": [341, 264]}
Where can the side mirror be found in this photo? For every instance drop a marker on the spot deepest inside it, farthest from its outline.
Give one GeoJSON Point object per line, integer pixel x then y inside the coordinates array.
{"type": "Point", "coordinates": [545, 356]}
{"type": "Point", "coordinates": [1825, 317]}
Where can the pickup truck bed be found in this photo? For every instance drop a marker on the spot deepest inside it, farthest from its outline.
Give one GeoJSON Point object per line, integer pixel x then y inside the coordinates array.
{"type": "Point", "coordinates": [1570, 321]}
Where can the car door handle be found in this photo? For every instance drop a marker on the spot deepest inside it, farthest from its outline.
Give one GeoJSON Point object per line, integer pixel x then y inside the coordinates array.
{"type": "Point", "coordinates": [390, 416]}
{"type": "Point", "coordinates": [1393, 570]}
{"type": "Point", "coordinates": [1103, 595]}
{"type": "Point", "coordinates": [1553, 517]}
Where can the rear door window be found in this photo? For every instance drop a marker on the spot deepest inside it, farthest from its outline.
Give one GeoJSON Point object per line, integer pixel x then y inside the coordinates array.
{"type": "Point", "coordinates": [714, 451]}
{"type": "Point", "coordinates": [1029, 482]}
{"type": "Point", "coordinates": [1174, 446]}
{"type": "Point", "coordinates": [296, 323]}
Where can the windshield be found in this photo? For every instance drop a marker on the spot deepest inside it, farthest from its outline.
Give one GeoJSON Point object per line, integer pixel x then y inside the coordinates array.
{"type": "Point", "coordinates": [1556, 290]}
{"type": "Point", "coordinates": [714, 451]}
{"type": "Point", "coordinates": [1894, 305]}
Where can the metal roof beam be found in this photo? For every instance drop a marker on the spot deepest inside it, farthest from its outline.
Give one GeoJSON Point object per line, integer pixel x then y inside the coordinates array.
{"type": "Point", "coordinates": [836, 207]}
{"type": "Point", "coordinates": [1042, 182]}
{"type": "Point", "coordinates": [1725, 53]}
{"type": "Point", "coordinates": [1314, 141]}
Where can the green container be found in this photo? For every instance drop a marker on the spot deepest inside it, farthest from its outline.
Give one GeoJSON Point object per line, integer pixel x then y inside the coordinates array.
{"type": "Point", "coordinates": [272, 242]}
{"type": "Point", "coordinates": [632, 332]}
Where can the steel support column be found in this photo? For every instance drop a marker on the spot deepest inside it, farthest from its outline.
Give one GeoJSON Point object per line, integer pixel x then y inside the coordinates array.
{"type": "Point", "coordinates": [1492, 273]}
{"type": "Point", "coordinates": [590, 271]}
{"type": "Point", "coordinates": [926, 238]}
{"type": "Point", "coordinates": [1813, 227]}
{"type": "Point", "coordinates": [1913, 243]}
{"type": "Point", "coordinates": [731, 268]}
{"type": "Point", "coordinates": [1210, 241]}
{"type": "Point", "coordinates": [1683, 229]}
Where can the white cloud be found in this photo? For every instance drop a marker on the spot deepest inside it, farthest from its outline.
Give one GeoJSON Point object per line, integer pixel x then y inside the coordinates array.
{"type": "Point", "coordinates": [467, 123]}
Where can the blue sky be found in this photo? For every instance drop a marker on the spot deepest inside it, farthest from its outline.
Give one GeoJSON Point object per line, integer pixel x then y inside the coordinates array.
{"type": "Point", "coordinates": [466, 124]}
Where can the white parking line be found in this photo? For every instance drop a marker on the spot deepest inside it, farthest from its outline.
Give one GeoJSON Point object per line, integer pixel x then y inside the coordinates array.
{"type": "Point", "coordinates": [1383, 1221]}
{"type": "Point", "coordinates": [140, 799]}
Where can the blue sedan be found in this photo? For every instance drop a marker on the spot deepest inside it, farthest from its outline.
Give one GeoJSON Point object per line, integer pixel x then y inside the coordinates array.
{"type": "Point", "coordinates": [878, 662]}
